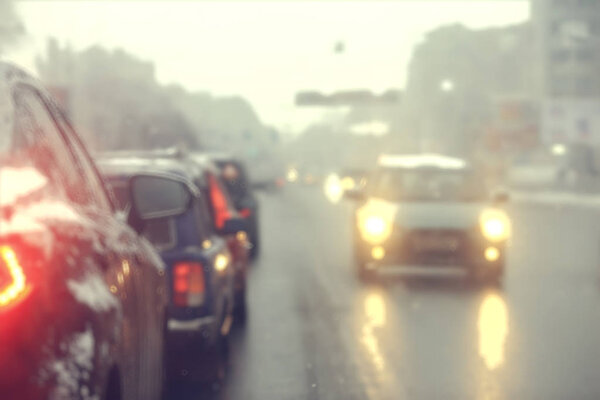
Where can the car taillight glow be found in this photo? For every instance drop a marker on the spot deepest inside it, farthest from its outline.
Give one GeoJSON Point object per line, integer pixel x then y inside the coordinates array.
{"type": "Point", "coordinates": [245, 212]}
{"type": "Point", "coordinates": [188, 284]}
{"type": "Point", "coordinates": [219, 203]}
{"type": "Point", "coordinates": [16, 286]}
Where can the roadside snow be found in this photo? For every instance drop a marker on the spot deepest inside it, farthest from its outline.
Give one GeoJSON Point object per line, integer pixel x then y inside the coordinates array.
{"type": "Point", "coordinates": [93, 292]}
{"type": "Point", "coordinates": [73, 371]}
{"type": "Point", "coordinates": [16, 183]}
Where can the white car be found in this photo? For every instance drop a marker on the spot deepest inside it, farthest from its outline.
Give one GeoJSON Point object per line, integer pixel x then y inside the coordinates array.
{"type": "Point", "coordinates": [429, 212]}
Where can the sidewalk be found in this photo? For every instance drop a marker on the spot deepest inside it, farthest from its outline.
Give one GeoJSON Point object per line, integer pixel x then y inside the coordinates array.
{"type": "Point", "coordinates": [556, 198]}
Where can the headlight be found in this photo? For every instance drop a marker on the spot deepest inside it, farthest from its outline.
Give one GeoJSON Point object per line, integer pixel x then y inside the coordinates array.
{"type": "Point", "coordinates": [348, 183]}
{"type": "Point", "coordinates": [495, 225]}
{"type": "Point", "coordinates": [375, 229]}
{"type": "Point", "coordinates": [333, 188]}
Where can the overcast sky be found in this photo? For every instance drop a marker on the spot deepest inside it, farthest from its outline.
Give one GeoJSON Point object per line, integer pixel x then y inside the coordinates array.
{"type": "Point", "coordinates": [263, 51]}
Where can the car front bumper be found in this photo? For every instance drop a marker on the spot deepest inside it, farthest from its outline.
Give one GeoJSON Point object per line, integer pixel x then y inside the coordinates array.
{"type": "Point", "coordinates": [435, 250]}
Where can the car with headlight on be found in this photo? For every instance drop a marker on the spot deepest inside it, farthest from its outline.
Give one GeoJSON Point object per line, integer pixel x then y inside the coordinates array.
{"type": "Point", "coordinates": [430, 213]}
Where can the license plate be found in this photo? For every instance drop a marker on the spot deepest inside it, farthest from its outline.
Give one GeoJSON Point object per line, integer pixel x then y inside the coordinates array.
{"type": "Point", "coordinates": [435, 243]}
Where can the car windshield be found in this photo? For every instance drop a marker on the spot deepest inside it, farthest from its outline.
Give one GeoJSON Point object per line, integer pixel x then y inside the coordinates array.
{"type": "Point", "coordinates": [427, 185]}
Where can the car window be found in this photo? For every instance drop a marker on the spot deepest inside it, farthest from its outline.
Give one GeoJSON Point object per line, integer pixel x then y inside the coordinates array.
{"type": "Point", "coordinates": [427, 185]}
{"type": "Point", "coordinates": [121, 195]}
{"type": "Point", "coordinates": [92, 180]}
{"type": "Point", "coordinates": [38, 138]}
{"type": "Point", "coordinates": [203, 218]}
{"type": "Point", "coordinates": [235, 180]}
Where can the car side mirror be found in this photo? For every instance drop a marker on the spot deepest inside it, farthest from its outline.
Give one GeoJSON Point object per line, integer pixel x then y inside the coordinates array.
{"type": "Point", "coordinates": [355, 194]}
{"type": "Point", "coordinates": [233, 226]}
{"type": "Point", "coordinates": [156, 196]}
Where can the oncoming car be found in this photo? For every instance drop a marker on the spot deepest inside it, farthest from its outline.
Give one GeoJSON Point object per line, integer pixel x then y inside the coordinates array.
{"type": "Point", "coordinates": [429, 212]}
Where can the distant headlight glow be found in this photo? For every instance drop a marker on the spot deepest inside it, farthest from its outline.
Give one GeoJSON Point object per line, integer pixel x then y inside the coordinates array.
{"type": "Point", "coordinates": [333, 188]}
{"type": "Point", "coordinates": [495, 225]}
{"type": "Point", "coordinates": [375, 229]}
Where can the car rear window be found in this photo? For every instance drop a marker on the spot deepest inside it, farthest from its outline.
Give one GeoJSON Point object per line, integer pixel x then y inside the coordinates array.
{"type": "Point", "coordinates": [234, 179]}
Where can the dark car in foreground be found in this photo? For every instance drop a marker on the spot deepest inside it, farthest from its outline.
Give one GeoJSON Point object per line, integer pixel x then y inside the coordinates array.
{"type": "Point", "coordinates": [432, 213]}
{"type": "Point", "coordinates": [82, 296]}
{"type": "Point", "coordinates": [235, 177]}
{"type": "Point", "coordinates": [199, 268]}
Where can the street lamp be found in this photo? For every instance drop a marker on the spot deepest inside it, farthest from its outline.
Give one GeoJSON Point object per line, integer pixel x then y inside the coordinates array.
{"type": "Point", "coordinates": [447, 85]}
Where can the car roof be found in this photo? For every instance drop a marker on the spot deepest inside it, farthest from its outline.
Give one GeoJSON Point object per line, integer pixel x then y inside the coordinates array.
{"type": "Point", "coordinates": [127, 163]}
{"type": "Point", "coordinates": [204, 161]}
{"type": "Point", "coordinates": [422, 161]}
{"type": "Point", "coordinates": [11, 75]}
{"type": "Point", "coordinates": [112, 165]}
{"type": "Point", "coordinates": [10, 72]}
{"type": "Point", "coordinates": [220, 156]}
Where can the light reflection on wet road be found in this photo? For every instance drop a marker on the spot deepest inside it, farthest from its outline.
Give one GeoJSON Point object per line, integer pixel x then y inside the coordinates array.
{"type": "Point", "coordinates": [315, 332]}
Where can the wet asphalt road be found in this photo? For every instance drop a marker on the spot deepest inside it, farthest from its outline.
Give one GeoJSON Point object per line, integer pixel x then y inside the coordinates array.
{"type": "Point", "coordinates": [315, 332]}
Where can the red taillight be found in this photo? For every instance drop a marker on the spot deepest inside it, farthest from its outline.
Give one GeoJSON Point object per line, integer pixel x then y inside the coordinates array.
{"type": "Point", "coordinates": [13, 282]}
{"type": "Point", "coordinates": [245, 212]}
{"type": "Point", "coordinates": [219, 203]}
{"type": "Point", "coordinates": [188, 284]}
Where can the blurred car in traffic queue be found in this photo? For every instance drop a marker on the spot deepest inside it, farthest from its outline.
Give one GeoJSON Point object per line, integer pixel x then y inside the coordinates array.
{"type": "Point", "coordinates": [353, 178]}
{"type": "Point", "coordinates": [208, 178]}
{"type": "Point", "coordinates": [235, 177]}
{"type": "Point", "coordinates": [433, 213]}
{"type": "Point", "coordinates": [82, 296]}
{"type": "Point", "coordinates": [199, 270]}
